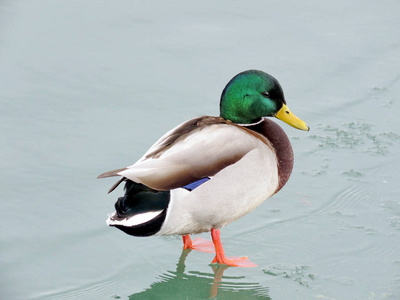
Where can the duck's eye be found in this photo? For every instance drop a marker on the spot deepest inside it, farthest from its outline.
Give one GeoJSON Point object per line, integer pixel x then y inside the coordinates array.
{"type": "Point", "coordinates": [265, 94]}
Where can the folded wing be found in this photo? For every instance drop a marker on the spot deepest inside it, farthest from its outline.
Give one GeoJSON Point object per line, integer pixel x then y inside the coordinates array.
{"type": "Point", "coordinates": [196, 149]}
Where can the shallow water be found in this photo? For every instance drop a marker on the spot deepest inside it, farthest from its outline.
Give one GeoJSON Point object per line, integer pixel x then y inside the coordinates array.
{"type": "Point", "coordinates": [88, 87]}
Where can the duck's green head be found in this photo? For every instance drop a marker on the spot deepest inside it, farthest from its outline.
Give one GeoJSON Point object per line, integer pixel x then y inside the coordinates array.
{"type": "Point", "coordinates": [253, 94]}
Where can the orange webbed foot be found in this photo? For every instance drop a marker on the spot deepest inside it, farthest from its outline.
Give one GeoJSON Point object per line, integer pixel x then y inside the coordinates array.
{"type": "Point", "coordinates": [243, 262]}
{"type": "Point", "coordinates": [220, 257]}
{"type": "Point", "coordinates": [198, 244]}
{"type": "Point", "coordinates": [215, 246]}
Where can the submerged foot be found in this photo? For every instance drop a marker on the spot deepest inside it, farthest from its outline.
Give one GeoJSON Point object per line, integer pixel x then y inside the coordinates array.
{"type": "Point", "coordinates": [203, 245]}
{"type": "Point", "coordinates": [243, 262]}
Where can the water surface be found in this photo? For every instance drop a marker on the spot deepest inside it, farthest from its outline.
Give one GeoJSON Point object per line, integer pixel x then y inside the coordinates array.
{"type": "Point", "coordinates": [87, 87]}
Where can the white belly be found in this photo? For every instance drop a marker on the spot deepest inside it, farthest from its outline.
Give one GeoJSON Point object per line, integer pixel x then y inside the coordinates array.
{"type": "Point", "coordinates": [229, 195]}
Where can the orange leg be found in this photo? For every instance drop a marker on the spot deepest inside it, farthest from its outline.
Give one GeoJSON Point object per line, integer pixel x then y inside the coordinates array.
{"type": "Point", "coordinates": [187, 242]}
{"type": "Point", "coordinates": [220, 257]}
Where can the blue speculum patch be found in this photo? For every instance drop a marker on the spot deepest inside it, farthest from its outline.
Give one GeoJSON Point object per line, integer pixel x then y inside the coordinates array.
{"type": "Point", "coordinates": [193, 185]}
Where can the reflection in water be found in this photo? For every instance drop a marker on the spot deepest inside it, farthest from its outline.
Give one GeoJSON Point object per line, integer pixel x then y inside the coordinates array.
{"type": "Point", "coordinates": [196, 285]}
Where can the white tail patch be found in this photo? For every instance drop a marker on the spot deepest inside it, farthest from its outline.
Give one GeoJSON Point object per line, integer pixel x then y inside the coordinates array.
{"type": "Point", "coordinates": [134, 220]}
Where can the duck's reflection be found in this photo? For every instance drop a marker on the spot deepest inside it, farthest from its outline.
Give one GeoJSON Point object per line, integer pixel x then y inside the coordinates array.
{"type": "Point", "coordinates": [198, 285]}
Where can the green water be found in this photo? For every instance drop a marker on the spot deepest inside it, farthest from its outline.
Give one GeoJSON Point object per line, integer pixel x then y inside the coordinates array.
{"type": "Point", "coordinates": [86, 87]}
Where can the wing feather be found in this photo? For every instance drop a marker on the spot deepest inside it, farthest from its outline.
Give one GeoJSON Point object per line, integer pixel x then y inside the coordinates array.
{"type": "Point", "coordinates": [181, 158]}
{"type": "Point", "coordinates": [198, 148]}
{"type": "Point", "coordinates": [111, 173]}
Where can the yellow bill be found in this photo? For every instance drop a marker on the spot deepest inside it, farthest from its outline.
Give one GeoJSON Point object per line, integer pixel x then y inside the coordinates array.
{"type": "Point", "coordinates": [285, 115]}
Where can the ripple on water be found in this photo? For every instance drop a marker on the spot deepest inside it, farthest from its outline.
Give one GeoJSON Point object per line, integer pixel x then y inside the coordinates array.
{"type": "Point", "coordinates": [286, 247]}
{"type": "Point", "coordinates": [255, 288]}
{"type": "Point", "coordinates": [200, 285]}
{"type": "Point", "coordinates": [355, 136]}
{"type": "Point", "coordinates": [353, 174]}
{"type": "Point", "coordinates": [299, 274]}
{"type": "Point", "coordinates": [316, 172]}
{"type": "Point", "coordinates": [347, 208]}
{"type": "Point", "coordinates": [393, 208]}
{"type": "Point", "coordinates": [347, 202]}
{"type": "Point", "coordinates": [394, 222]}
{"type": "Point", "coordinates": [93, 291]}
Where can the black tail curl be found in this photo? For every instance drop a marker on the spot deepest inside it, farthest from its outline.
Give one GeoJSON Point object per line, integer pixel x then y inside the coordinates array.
{"type": "Point", "coordinates": [140, 199]}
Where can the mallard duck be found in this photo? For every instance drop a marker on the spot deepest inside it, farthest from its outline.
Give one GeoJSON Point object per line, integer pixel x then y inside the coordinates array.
{"type": "Point", "coordinates": [210, 171]}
